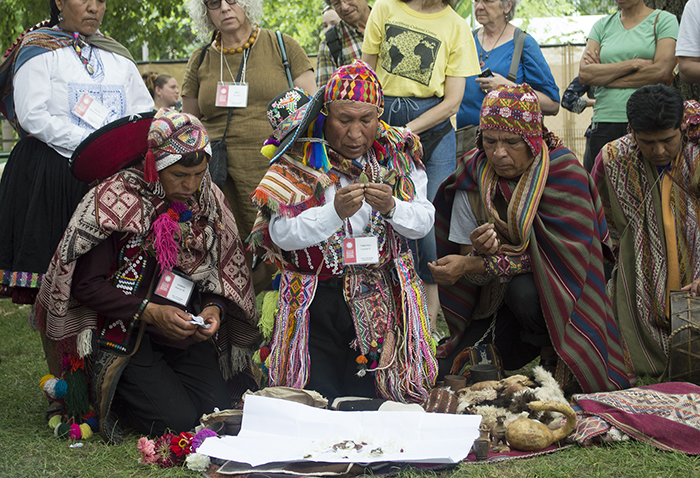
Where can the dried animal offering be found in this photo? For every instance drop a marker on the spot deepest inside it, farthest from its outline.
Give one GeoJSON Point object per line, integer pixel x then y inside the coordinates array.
{"type": "Point", "coordinates": [529, 435]}
{"type": "Point", "coordinates": [362, 178]}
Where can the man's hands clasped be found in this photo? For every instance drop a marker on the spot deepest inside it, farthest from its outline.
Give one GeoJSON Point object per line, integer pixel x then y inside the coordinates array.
{"type": "Point", "coordinates": [348, 200]}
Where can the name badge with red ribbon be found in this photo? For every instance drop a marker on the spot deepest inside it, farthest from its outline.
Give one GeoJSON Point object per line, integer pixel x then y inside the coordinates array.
{"type": "Point", "coordinates": [361, 250]}
{"type": "Point", "coordinates": [91, 111]}
{"type": "Point", "coordinates": [175, 287]}
{"type": "Point", "coordinates": [232, 95]}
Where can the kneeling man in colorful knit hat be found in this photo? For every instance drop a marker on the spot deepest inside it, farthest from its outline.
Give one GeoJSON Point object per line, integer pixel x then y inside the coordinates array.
{"type": "Point", "coordinates": [148, 299]}
{"type": "Point", "coordinates": [343, 193]}
{"type": "Point", "coordinates": [521, 237]}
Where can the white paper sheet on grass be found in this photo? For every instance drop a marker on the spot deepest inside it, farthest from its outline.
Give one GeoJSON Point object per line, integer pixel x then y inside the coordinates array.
{"type": "Point", "coordinates": [281, 431]}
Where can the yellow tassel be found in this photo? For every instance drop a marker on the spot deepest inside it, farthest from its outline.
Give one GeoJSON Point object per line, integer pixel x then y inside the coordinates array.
{"type": "Point", "coordinates": [256, 358]}
{"type": "Point", "coordinates": [267, 318]}
{"type": "Point", "coordinates": [268, 150]}
{"type": "Point", "coordinates": [86, 431]}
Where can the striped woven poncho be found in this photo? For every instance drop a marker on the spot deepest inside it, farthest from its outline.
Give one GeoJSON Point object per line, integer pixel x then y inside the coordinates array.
{"type": "Point", "coordinates": [566, 244]}
{"type": "Point", "coordinates": [631, 193]}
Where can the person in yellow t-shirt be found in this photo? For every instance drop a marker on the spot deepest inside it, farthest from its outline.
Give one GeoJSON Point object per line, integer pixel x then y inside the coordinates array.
{"type": "Point", "coordinates": [422, 51]}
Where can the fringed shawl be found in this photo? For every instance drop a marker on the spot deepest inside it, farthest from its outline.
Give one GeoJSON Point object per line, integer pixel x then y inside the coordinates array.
{"type": "Point", "coordinates": [408, 369]}
{"type": "Point", "coordinates": [292, 186]}
{"type": "Point", "coordinates": [633, 207]}
{"type": "Point", "coordinates": [566, 243]}
{"type": "Point", "coordinates": [125, 203]}
{"type": "Point", "coordinates": [35, 41]}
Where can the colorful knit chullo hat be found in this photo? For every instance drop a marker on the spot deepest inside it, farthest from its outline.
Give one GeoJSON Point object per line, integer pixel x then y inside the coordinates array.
{"type": "Point", "coordinates": [355, 82]}
{"type": "Point", "coordinates": [172, 136]}
{"type": "Point", "coordinates": [515, 109]}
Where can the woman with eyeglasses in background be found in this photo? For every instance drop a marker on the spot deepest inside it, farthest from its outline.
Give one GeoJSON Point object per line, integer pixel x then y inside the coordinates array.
{"type": "Point", "coordinates": [495, 44]}
{"type": "Point", "coordinates": [239, 44]}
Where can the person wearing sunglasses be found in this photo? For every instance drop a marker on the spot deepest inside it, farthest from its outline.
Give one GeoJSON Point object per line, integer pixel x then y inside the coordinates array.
{"type": "Point", "coordinates": [243, 53]}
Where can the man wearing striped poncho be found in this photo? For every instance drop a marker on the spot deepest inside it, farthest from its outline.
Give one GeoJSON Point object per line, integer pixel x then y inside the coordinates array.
{"type": "Point", "coordinates": [521, 237]}
{"type": "Point", "coordinates": [648, 182]}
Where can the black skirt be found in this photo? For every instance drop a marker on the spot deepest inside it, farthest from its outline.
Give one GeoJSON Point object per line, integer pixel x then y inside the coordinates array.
{"type": "Point", "coordinates": [38, 194]}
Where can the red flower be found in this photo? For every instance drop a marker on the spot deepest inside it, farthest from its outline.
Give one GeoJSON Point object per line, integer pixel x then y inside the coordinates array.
{"type": "Point", "coordinates": [181, 444]}
{"type": "Point", "coordinates": [164, 455]}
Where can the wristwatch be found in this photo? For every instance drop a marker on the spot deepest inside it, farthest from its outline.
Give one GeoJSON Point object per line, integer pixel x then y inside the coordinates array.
{"type": "Point", "coordinates": [390, 214]}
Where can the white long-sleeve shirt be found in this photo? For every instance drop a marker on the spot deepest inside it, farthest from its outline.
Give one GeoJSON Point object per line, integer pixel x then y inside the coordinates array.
{"type": "Point", "coordinates": [48, 86]}
{"type": "Point", "coordinates": [412, 220]}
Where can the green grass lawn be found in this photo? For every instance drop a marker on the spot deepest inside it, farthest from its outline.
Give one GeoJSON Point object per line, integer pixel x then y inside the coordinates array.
{"type": "Point", "coordinates": [29, 449]}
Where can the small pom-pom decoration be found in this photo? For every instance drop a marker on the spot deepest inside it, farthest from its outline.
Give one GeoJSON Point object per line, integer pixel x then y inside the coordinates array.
{"type": "Point", "coordinates": [85, 431]}
{"type": "Point", "coordinates": [60, 389]}
{"type": "Point", "coordinates": [62, 430]}
{"type": "Point", "coordinates": [93, 423]}
{"type": "Point", "coordinates": [54, 421]}
{"type": "Point", "coordinates": [178, 207]}
{"type": "Point", "coordinates": [49, 386]}
{"type": "Point", "coordinates": [268, 150]}
{"type": "Point", "coordinates": [75, 433]}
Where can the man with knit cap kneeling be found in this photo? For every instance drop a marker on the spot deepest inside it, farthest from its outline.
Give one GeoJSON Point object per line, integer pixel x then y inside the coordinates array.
{"type": "Point", "coordinates": [145, 247]}
{"type": "Point", "coordinates": [521, 237]}
{"type": "Point", "coordinates": [343, 192]}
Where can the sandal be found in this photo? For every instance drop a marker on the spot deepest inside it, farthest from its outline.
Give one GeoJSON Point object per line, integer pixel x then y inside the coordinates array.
{"type": "Point", "coordinates": [53, 410]}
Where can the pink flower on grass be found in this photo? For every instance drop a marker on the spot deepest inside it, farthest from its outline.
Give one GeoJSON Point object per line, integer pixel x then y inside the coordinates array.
{"type": "Point", "coordinates": [147, 450]}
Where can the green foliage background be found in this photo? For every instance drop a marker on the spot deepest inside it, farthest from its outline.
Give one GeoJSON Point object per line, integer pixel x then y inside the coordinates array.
{"type": "Point", "coordinates": [163, 24]}
{"type": "Point", "coordinates": [167, 28]}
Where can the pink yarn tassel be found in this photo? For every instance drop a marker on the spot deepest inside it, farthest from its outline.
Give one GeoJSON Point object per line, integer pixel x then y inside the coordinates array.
{"type": "Point", "coordinates": [164, 243]}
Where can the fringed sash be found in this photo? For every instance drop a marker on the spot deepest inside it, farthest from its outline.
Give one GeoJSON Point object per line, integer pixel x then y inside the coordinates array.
{"type": "Point", "coordinates": [393, 313]}
{"type": "Point", "coordinates": [289, 355]}
{"type": "Point", "coordinates": [416, 352]}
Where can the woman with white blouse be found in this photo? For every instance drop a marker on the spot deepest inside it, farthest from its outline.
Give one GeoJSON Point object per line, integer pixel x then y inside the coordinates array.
{"type": "Point", "coordinates": [59, 83]}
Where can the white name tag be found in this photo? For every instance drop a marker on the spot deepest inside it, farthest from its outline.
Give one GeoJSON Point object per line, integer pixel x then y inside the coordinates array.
{"type": "Point", "coordinates": [91, 111]}
{"type": "Point", "coordinates": [175, 288]}
{"type": "Point", "coordinates": [232, 95]}
{"type": "Point", "coordinates": [361, 250]}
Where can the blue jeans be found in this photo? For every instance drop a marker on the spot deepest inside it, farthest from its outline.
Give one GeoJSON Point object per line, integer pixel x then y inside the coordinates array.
{"type": "Point", "coordinates": [441, 163]}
